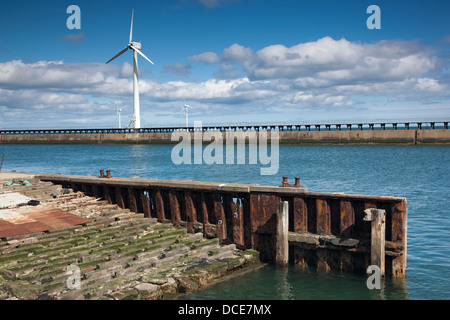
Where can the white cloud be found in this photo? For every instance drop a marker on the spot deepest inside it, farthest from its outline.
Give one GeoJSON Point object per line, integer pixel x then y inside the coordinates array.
{"type": "Point", "coordinates": [215, 3]}
{"type": "Point", "coordinates": [55, 74]}
{"type": "Point", "coordinates": [206, 57]}
{"type": "Point", "coordinates": [126, 71]}
{"type": "Point", "coordinates": [329, 61]}
{"type": "Point", "coordinates": [238, 53]}
{"type": "Point", "coordinates": [427, 84]}
{"type": "Point", "coordinates": [177, 68]}
{"type": "Point", "coordinates": [340, 60]}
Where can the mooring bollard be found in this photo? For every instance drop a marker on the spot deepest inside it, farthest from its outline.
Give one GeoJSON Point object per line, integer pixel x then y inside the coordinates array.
{"type": "Point", "coordinates": [102, 174]}
{"type": "Point", "coordinates": [377, 251]}
{"type": "Point", "coordinates": [282, 244]}
{"type": "Point", "coordinates": [284, 182]}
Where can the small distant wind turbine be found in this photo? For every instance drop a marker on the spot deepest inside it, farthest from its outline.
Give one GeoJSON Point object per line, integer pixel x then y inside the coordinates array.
{"type": "Point", "coordinates": [135, 46]}
{"type": "Point", "coordinates": [118, 114]}
{"type": "Point", "coordinates": [131, 122]}
{"type": "Point", "coordinates": [186, 108]}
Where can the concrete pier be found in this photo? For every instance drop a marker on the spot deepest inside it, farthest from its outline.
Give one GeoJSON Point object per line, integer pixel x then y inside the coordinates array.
{"type": "Point", "coordinates": [432, 132]}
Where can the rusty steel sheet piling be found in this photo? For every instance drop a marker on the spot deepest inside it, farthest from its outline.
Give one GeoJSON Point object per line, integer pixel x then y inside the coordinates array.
{"type": "Point", "coordinates": [378, 225]}
{"type": "Point", "coordinates": [324, 230]}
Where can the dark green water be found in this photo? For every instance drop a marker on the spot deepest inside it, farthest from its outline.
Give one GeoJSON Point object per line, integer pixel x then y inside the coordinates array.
{"type": "Point", "coordinates": [291, 283]}
{"type": "Point", "coordinates": [419, 173]}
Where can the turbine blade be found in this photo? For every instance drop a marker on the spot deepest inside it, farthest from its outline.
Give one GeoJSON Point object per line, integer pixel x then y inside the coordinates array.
{"type": "Point", "coordinates": [137, 50]}
{"type": "Point", "coordinates": [131, 28]}
{"type": "Point", "coordinates": [123, 50]}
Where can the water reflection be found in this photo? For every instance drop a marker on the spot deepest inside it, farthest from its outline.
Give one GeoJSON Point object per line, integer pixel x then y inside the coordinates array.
{"type": "Point", "coordinates": [282, 286]}
{"type": "Point", "coordinates": [291, 283]}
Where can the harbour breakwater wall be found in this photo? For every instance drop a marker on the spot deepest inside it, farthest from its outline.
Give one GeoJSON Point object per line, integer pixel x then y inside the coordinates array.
{"type": "Point", "coordinates": [410, 137]}
{"type": "Point", "coordinates": [286, 223]}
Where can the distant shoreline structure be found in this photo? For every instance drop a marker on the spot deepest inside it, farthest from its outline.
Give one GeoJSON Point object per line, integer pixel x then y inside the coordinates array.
{"type": "Point", "coordinates": [325, 132]}
{"type": "Point", "coordinates": [380, 124]}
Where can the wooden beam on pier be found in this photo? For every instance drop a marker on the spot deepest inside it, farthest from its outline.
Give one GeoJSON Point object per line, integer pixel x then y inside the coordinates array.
{"type": "Point", "coordinates": [377, 251]}
{"type": "Point", "coordinates": [174, 206]}
{"type": "Point", "coordinates": [300, 215]}
{"type": "Point", "coordinates": [191, 214]}
{"type": "Point", "coordinates": [282, 239]}
{"type": "Point", "coordinates": [159, 206]}
{"type": "Point", "coordinates": [220, 217]}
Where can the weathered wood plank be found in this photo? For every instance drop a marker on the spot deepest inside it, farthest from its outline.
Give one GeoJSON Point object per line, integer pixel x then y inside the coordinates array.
{"type": "Point", "coordinates": [220, 217]}
{"type": "Point", "coordinates": [119, 197]}
{"type": "Point", "coordinates": [145, 202]}
{"type": "Point", "coordinates": [159, 206]}
{"type": "Point", "coordinates": [132, 200]}
{"type": "Point", "coordinates": [74, 187]}
{"type": "Point", "coordinates": [347, 219]}
{"type": "Point", "coordinates": [96, 191]}
{"type": "Point", "coordinates": [346, 261]}
{"type": "Point", "coordinates": [230, 210]}
{"type": "Point", "coordinates": [399, 234]}
{"type": "Point", "coordinates": [246, 207]}
{"type": "Point", "coordinates": [398, 222]}
{"type": "Point", "coordinates": [323, 216]}
{"type": "Point", "coordinates": [322, 260]}
{"type": "Point", "coordinates": [300, 212]}
{"type": "Point", "coordinates": [263, 212]}
{"type": "Point", "coordinates": [238, 225]}
{"type": "Point", "coordinates": [282, 241]}
{"type": "Point", "coordinates": [191, 213]}
{"type": "Point", "coordinates": [204, 213]}
{"type": "Point", "coordinates": [107, 194]}
{"type": "Point", "coordinates": [312, 214]}
{"type": "Point", "coordinates": [264, 208]}
{"type": "Point", "coordinates": [377, 251]}
{"type": "Point", "coordinates": [175, 216]}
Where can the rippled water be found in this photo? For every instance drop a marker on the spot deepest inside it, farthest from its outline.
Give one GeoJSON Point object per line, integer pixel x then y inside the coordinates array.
{"type": "Point", "coordinates": [419, 173]}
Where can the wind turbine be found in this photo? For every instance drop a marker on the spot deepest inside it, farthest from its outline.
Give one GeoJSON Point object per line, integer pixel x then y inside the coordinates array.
{"type": "Point", "coordinates": [118, 114]}
{"type": "Point", "coordinates": [135, 46]}
{"type": "Point", "coordinates": [186, 108]}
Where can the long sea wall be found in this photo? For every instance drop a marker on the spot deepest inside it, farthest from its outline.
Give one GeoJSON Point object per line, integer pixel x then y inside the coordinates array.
{"type": "Point", "coordinates": [410, 137]}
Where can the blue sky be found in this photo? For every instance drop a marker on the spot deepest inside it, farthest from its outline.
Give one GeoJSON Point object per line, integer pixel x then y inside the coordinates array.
{"type": "Point", "coordinates": [234, 60]}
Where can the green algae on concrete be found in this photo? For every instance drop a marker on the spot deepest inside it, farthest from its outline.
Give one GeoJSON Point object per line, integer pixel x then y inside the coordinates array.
{"type": "Point", "coordinates": [120, 255]}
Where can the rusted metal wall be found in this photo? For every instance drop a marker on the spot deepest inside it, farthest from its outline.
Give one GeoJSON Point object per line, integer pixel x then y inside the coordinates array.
{"type": "Point", "coordinates": [327, 230]}
{"type": "Point", "coordinates": [341, 238]}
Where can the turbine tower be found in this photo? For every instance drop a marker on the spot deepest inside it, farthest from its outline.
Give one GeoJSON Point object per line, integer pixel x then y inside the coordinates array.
{"type": "Point", "coordinates": [186, 108]}
{"type": "Point", "coordinates": [118, 114]}
{"type": "Point", "coordinates": [135, 46]}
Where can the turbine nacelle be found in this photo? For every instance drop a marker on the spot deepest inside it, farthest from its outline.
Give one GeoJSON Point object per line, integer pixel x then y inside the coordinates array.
{"type": "Point", "coordinates": [136, 45]}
